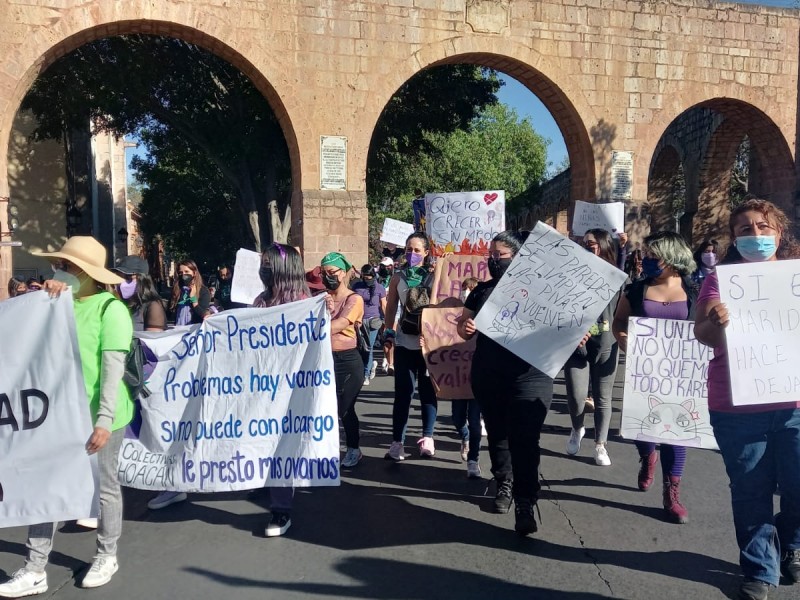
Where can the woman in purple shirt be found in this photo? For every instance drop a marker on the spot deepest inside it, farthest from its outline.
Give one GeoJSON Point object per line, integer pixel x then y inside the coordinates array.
{"type": "Point", "coordinates": [760, 444]}
{"type": "Point", "coordinates": [666, 292]}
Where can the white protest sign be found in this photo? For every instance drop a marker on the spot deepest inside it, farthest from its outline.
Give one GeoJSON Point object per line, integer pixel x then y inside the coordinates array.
{"type": "Point", "coordinates": [609, 217]}
{"type": "Point", "coordinates": [548, 298]}
{"type": "Point", "coordinates": [246, 284]}
{"type": "Point", "coordinates": [396, 232]}
{"type": "Point", "coordinates": [464, 222]}
{"type": "Point", "coordinates": [666, 391]}
{"type": "Point", "coordinates": [45, 473]}
{"type": "Point", "coordinates": [763, 344]}
{"type": "Point", "coordinates": [243, 401]}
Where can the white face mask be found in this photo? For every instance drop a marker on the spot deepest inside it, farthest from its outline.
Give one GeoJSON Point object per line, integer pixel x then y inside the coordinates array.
{"type": "Point", "coordinates": [71, 280]}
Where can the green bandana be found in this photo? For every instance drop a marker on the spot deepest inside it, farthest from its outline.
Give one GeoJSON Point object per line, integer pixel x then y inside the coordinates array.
{"type": "Point", "coordinates": [415, 275]}
{"type": "Point", "coordinates": [336, 259]}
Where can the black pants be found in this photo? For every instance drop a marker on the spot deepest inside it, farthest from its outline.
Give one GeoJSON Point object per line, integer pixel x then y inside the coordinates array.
{"type": "Point", "coordinates": [514, 408]}
{"type": "Point", "coordinates": [349, 370]}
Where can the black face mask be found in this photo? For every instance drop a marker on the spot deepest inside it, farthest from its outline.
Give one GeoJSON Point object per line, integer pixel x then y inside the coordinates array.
{"type": "Point", "coordinates": [498, 266]}
{"type": "Point", "coordinates": [187, 279]}
{"type": "Point", "coordinates": [384, 271]}
{"type": "Point", "coordinates": [369, 281]}
{"type": "Point", "coordinates": [331, 282]}
{"type": "Point", "coordinates": [265, 273]}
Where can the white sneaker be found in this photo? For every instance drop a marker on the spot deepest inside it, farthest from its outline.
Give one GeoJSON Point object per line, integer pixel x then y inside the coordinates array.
{"type": "Point", "coordinates": [87, 523]}
{"type": "Point", "coordinates": [374, 369]}
{"type": "Point", "coordinates": [24, 583]}
{"type": "Point", "coordinates": [164, 499]}
{"type": "Point", "coordinates": [396, 451]}
{"type": "Point", "coordinates": [574, 441]}
{"type": "Point", "coordinates": [278, 525]}
{"type": "Point", "coordinates": [366, 382]}
{"type": "Point", "coordinates": [352, 457]}
{"type": "Point", "coordinates": [601, 457]}
{"type": "Point", "coordinates": [101, 571]}
{"type": "Point", "coordinates": [483, 428]}
{"type": "Point", "coordinates": [464, 451]}
{"type": "Point", "coordinates": [384, 365]}
{"type": "Point", "coordinates": [473, 469]}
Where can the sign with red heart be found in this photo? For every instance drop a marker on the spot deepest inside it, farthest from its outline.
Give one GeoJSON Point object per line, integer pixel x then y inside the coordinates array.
{"type": "Point", "coordinates": [464, 222]}
{"type": "Point", "coordinates": [489, 198]}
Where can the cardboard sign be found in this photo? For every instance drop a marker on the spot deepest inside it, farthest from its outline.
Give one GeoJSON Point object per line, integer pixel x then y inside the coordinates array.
{"type": "Point", "coordinates": [396, 232]}
{"type": "Point", "coordinates": [45, 473]}
{"type": "Point", "coordinates": [246, 284]}
{"type": "Point", "coordinates": [666, 385]}
{"type": "Point", "coordinates": [243, 401]}
{"type": "Point", "coordinates": [464, 222]}
{"type": "Point", "coordinates": [548, 299]}
{"type": "Point", "coordinates": [448, 356]}
{"type": "Point", "coordinates": [763, 300]}
{"type": "Point", "coordinates": [450, 273]}
{"type": "Point", "coordinates": [609, 217]}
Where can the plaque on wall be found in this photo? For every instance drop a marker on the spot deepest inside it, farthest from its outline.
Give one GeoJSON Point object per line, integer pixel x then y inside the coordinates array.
{"type": "Point", "coordinates": [488, 16]}
{"type": "Point", "coordinates": [332, 162]}
{"type": "Point", "coordinates": [621, 175]}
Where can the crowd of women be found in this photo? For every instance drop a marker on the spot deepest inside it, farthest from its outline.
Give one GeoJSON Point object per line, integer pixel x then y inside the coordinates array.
{"type": "Point", "coordinates": [760, 445]}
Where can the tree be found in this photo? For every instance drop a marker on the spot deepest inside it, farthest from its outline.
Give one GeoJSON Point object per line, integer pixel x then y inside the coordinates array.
{"type": "Point", "coordinates": [140, 83]}
{"type": "Point", "coordinates": [497, 150]}
{"type": "Point", "coordinates": [740, 174]}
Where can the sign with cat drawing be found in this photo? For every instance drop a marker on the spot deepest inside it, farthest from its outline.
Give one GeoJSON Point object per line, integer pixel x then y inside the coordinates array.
{"type": "Point", "coordinates": [666, 391]}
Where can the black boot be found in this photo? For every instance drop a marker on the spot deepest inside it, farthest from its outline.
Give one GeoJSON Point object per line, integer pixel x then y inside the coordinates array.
{"type": "Point", "coordinates": [524, 520]}
{"type": "Point", "coordinates": [502, 501]}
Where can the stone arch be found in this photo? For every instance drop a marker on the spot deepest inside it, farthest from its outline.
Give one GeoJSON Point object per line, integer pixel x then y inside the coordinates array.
{"type": "Point", "coordinates": [707, 136]}
{"type": "Point", "coordinates": [40, 59]}
{"type": "Point", "coordinates": [562, 97]}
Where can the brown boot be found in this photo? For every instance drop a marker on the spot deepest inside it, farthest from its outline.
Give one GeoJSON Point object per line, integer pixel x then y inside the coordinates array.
{"type": "Point", "coordinates": [676, 512]}
{"type": "Point", "coordinates": [647, 470]}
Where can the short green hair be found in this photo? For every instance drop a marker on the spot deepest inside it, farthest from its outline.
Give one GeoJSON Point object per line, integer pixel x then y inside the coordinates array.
{"type": "Point", "coordinates": [670, 248]}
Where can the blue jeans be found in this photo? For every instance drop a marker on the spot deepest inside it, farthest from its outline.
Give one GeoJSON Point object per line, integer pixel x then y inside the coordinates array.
{"type": "Point", "coordinates": [373, 335]}
{"type": "Point", "coordinates": [410, 371]}
{"type": "Point", "coordinates": [467, 421]}
{"type": "Point", "coordinates": [761, 453]}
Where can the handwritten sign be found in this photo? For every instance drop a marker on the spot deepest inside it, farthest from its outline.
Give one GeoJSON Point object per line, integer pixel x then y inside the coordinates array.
{"type": "Point", "coordinates": [448, 356]}
{"type": "Point", "coordinates": [763, 345]}
{"type": "Point", "coordinates": [548, 298]}
{"type": "Point", "coordinates": [621, 175]}
{"type": "Point", "coordinates": [245, 400]}
{"type": "Point", "coordinates": [610, 217]}
{"type": "Point", "coordinates": [450, 273]}
{"type": "Point", "coordinates": [464, 222]}
{"type": "Point", "coordinates": [666, 392]}
{"type": "Point", "coordinates": [396, 232]}
{"type": "Point", "coordinates": [246, 284]}
{"type": "Point", "coordinates": [45, 473]}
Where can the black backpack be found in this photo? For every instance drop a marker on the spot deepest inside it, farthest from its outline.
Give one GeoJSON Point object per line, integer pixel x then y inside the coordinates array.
{"type": "Point", "coordinates": [134, 363]}
{"type": "Point", "coordinates": [417, 298]}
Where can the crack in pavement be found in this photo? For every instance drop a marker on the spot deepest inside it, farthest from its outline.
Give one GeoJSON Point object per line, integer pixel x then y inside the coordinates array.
{"type": "Point", "coordinates": [581, 541]}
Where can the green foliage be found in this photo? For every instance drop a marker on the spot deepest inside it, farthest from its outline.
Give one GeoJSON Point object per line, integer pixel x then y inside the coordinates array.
{"type": "Point", "coordinates": [197, 102]}
{"type": "Point", "coordinates": [740, 174]}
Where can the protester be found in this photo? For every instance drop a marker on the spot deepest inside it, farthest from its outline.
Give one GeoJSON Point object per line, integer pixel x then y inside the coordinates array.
{"type": "Point", "coordinates": [374, 296]}
{"type": "Point", "coordinates": [706, 256]}
{"type": "Point", "coordinates": [34, 285]}
{"type": "Point", "coordinates": [634, 265]}
{"type": "Point", "coordinates": [595, 362]}
{"type": "Point", "coordinates": [666, 292]}
{"type": "Point", "coordinates": [223, 296]}
{"type": "Point", "coordinates": [385, 271]}
{"type": "Point", "coordinates": [409, 364]}
{"type": "Point", "coordinates": [190, 298]}
{"type": "Point", "coordinates": [514, 397]}
{"type": "Point", "coordinates": [760, 444]}
{"type": "Point", "coordinates": [284, 281]}
{"type": "Point", "coordinates": [139, 292]}
{"type": "Point", "coordinates": [16, 287]}
{"type": "Point", "coordinates": [104, 332]}
{"type": "Point", "coordinates": [346, 309]}
{"type": "Point", "coordinates": [469, 284]}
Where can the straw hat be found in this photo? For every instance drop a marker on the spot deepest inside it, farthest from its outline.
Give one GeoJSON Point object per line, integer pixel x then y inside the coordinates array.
{"type": "Point", "coordinates": [87, 253]}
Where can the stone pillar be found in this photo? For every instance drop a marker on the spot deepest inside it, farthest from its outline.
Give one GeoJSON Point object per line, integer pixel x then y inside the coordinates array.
{"type": "Point", "coordinates": [332, 221]}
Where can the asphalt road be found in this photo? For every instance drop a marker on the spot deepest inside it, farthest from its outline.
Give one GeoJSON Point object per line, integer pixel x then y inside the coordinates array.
{"type": "Point", "coordinates": [420, 529]}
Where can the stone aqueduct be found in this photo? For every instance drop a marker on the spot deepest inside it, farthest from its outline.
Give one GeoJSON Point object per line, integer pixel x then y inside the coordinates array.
{"type": "Point", "coordinates": [628, 75]}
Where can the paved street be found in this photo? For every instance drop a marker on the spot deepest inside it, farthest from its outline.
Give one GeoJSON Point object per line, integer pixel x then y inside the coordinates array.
{"type": "Point", "coordinates": [420, 530]}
